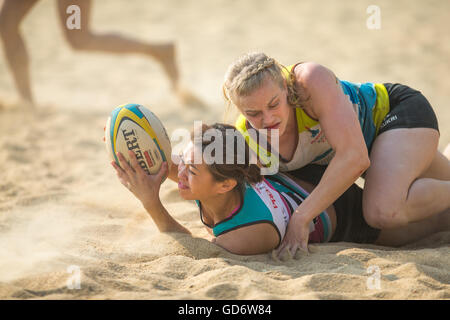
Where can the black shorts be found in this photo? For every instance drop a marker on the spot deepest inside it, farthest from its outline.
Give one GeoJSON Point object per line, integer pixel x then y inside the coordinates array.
{"type": "Point", "coordinates": [351, 225]}
{"type": "Point", "coordinates": [408, 109]}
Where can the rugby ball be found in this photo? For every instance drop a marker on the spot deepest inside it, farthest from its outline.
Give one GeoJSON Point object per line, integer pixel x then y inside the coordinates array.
{"type": "Point", "coordinates": [134, 127]}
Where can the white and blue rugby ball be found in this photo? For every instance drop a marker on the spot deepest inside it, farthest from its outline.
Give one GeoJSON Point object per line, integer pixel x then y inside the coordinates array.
{"type": "Point", "coordinates": [134, 127]}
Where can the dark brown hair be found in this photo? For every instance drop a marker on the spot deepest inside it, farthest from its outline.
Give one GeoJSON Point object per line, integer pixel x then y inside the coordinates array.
{"type": "Point", "coordinates": [239, 168]}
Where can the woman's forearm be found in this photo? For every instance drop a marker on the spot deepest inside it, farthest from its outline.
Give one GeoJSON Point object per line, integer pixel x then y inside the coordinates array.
{"type": "Point", "coordinates": [163, 220]}
{"type": "Point", "coordinates": [340, 174]}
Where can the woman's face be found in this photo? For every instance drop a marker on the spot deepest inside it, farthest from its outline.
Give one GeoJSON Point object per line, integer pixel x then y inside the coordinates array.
{"type": "Point", "coordinates": [195, 181]}
{"type": "Point", "coordinates": [267, 107]}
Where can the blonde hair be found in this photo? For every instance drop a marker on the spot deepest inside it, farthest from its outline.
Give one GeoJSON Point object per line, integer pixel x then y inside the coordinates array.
{"type": "Point", "coordinates": [248, 74]}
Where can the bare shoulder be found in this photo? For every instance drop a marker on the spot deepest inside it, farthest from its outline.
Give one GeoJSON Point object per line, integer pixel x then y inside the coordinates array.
{"type": "Point", "coordinates": [312, 74]}
{"type": "Point", "coordinates": [321, 86]}
{"type": "Point", "coordinates": [253, 239]}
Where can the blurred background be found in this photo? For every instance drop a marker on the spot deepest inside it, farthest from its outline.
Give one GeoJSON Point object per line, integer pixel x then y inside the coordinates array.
{"type": "Point", "coordinates": [412, 46]}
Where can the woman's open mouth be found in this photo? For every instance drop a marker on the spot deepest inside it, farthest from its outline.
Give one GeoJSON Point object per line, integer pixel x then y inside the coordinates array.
{"type": "Point", "coordinates": [275, 126]}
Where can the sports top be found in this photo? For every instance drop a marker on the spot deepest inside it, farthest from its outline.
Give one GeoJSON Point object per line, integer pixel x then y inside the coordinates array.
{"type": "Point", "coordinates": [272, 201]}
{"type": "Point", "coordinates": [370, 102]}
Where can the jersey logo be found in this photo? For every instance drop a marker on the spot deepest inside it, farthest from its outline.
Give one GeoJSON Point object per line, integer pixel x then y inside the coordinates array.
{"type": "Point", "coordinates": [272, 199]}
{"type": "Point", "coordinates": [314, 132]}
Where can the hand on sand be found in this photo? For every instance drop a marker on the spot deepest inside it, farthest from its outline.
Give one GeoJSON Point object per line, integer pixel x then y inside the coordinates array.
{"type": "Point", "coordinates": [296, 238]}
{"type": "Point", "coordinates": [286, 255]}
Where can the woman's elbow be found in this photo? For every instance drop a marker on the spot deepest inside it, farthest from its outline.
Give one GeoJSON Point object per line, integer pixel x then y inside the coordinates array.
{"type": "Point", "coordinates": [361, 162]}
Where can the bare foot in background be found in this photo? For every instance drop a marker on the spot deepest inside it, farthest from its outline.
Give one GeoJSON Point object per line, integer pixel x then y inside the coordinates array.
{"type": "Point", "coordinates": [20, 104]}
{"type": "Point", "coordinates": [13, 12]}
{"type": "Point", "coordinates": [166, 55]}
{"type": "Point", "coordinates": [189, 99]}
{"type": "Point", "coordinates": [26, 105]}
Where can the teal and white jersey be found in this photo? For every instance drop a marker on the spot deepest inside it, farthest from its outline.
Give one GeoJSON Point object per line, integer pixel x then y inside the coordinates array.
{"type": "Point", "coordinates": [272, 201]}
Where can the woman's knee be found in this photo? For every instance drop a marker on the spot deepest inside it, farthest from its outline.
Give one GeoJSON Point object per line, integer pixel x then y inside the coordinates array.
{"type": "Point", "coordinates": [384, 214]}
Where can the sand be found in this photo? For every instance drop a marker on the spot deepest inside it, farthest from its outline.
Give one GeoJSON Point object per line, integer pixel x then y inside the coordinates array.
{"type": "Point", "coordinates": [70, 230]}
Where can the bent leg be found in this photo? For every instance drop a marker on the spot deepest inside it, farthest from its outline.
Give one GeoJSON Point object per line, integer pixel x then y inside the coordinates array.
{"type": "Point", "coordinates": [414, 231]}
{"type": "Point", "coordinates": [85, 39]}
{"type": "Point", "coordinates": [394, 195]}
{"type": "Point", "coordinates": [11, 15]}
{"type": "Point", "coordinates": [439, 168]}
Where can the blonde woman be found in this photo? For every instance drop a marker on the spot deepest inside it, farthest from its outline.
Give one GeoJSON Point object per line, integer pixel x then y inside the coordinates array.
{"type": "Point", "coordinates": [388, 132]}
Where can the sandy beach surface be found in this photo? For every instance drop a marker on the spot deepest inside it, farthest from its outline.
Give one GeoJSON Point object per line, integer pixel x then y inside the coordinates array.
{"type": "Point", "coordinates": [64, 214]}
